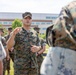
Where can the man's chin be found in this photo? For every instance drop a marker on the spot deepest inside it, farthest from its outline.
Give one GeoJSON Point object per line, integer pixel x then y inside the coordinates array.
{"type": "Point", "coordinates": [28, 24]}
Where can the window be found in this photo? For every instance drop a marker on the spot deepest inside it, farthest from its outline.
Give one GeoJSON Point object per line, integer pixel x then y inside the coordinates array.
{"type": "Point", "coordinates": [37, 23]}
{"type": "Point", "coordinates": [53, 17]}
{"type": "Point", "coordinates": [48, 23]}
{"type": "Point", "coordinates": [43, 28]}
{"type": "Point", "coordinates": [32, 23]}
{"type": "Point", "coordinates": [48, 17]}
{"type": "Point", "coordinates": [43, 23]}
{"type": "Point", "coordinates": [10, 22]}
{"type": "Point", "coordinates": [5, 22]}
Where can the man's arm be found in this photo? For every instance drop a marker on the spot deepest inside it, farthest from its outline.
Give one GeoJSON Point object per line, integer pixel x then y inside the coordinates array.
{"type": "Point", "coordinates": [43, 47]}
{"type": "Point", "coordinates": [41, 51]}
{"type": "Point", "coordinates": [11, 41]}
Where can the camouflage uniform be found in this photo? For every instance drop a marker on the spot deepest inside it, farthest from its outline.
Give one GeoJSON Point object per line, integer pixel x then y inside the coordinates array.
{"type": "Point", "coordinates": [11, 53]}
{"type": "Point", "coordinates": [7, 62]}
{"type": "Point", "coordinates": [4, 60]}
{"type": "Point", "coordinates": [26, 62]}
{"type": "Point", "coordinates": [60, 59]}
{"type": "Point", "coordinates": [40, 56]}
{"type": "Point", "coordinates": [65, 27]}
{"type": "Point", "coordinates": [42, 43]}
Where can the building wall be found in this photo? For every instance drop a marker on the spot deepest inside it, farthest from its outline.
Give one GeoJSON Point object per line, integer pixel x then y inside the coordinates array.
{"type": "Point", "coordinates": [40, 20]}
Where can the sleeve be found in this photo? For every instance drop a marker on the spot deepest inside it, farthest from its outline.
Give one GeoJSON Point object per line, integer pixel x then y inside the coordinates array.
{"type": "Point", "coordinates": [43, 43]}
{"type": "Point", "coordinates": [16, 39]}
{"type": "Point", "coordinates": [38, 41]}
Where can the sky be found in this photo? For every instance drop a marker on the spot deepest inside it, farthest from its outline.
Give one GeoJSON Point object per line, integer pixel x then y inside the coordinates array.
{"type": "Point", "coordinates": [33, 6]}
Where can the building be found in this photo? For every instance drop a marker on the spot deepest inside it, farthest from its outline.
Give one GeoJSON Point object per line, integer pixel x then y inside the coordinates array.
{"type": "Point", "coordinates": [40, 20]}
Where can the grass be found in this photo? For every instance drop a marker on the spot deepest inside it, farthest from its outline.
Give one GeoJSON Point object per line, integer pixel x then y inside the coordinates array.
{"type": "Point", "coordinates": [47, 47]}
{"type": "Point", "coordinates": [12, 69]}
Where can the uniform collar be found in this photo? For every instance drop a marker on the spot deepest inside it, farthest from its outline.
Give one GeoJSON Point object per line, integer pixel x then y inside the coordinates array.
{"type": "Point", "coordinates": [25, 31]}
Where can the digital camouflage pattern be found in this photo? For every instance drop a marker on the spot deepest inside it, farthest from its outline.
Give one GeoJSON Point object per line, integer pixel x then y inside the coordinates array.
{"type": "Point", "coordinates": [64, 28]}
{"type": "Point", "coordinates": [7, 62]}
{"type": "Point", "coordinates": [59, 61]}
{"type": "Point", "coordinates": [11, 52]}
{"type": "Point", "coordinates": [40, 56]}
{"type": "Point", "coordinates": [42, 43]}
{"type": "Point", "coordinates": [26, 62]}
{"type": "Point", "coordinates": [61, 36]}
{"type": "Point", "coordinates": [2, 39]}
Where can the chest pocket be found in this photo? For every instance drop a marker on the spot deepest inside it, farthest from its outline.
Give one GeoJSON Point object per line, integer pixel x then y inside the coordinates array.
{"type": "Point", "coordinates": [33, 39]}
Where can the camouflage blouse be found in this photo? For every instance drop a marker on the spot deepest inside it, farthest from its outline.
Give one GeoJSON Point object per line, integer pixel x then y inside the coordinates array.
{"type": "Point", "coordinates": [24, 58]}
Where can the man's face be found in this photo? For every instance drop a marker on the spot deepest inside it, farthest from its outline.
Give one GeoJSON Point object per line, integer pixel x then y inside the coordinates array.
{"type": "Point", "coordinates": [27, 21]}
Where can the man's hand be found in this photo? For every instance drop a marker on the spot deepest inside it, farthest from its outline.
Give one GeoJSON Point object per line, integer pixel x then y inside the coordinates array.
{"type": "Point", "coordinates": [35, 48]}
{"type": "Point", "coordinates": [11, 41]}
{"type": "Point", "coordinates": [16, 30]}
{"type": "Point", "coordinates": [7, 57]}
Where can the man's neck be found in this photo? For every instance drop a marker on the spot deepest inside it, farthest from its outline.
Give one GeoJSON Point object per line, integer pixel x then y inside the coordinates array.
{"type": "Point", "coordinates": [26, 27]}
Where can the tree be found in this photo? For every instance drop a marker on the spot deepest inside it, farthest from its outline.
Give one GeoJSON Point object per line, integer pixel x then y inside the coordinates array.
{"type": "Point", "coordinates": [1, 26]}
{"type": "Point", "coordinates": [16, 23]}
{"type": "Point", "coordinates": [42, 36]}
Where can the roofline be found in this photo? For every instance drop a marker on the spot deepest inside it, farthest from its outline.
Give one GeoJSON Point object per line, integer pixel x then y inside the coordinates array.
{"type": "Point", "coordinates": [32, 13]}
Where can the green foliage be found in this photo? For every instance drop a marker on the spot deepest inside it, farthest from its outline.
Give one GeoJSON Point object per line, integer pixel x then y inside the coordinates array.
{"type": "Point", "coordinates": [42, 36]}
{"type": "Point", "coordinates": [1, 26]}
{"type": "Point", "coordinates": [16, 23]}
